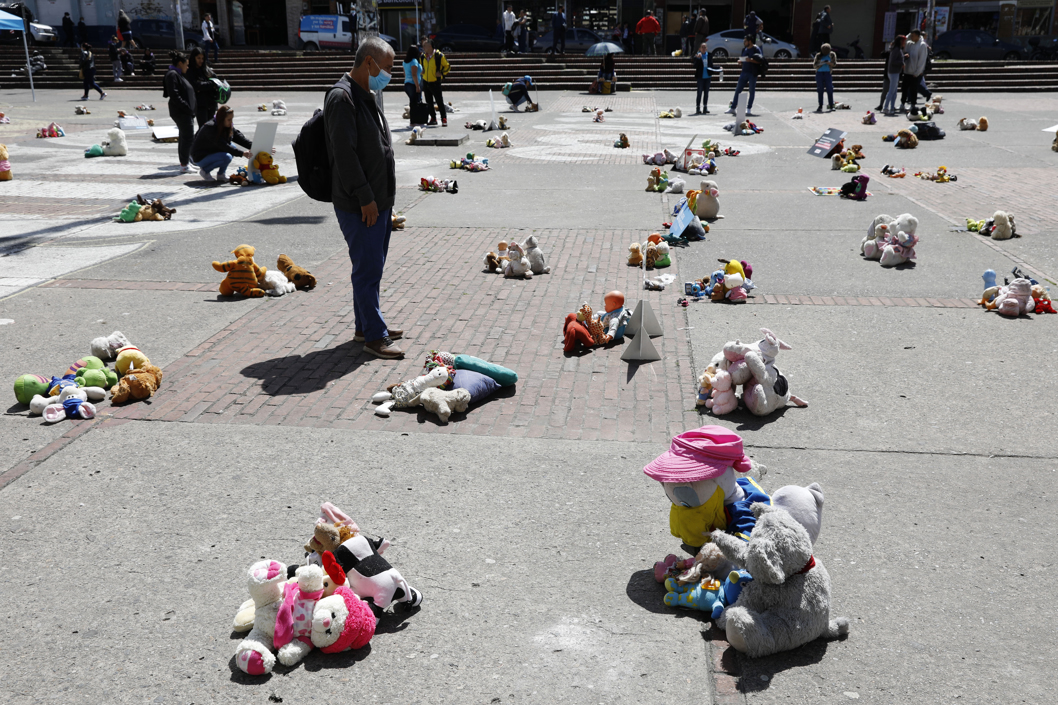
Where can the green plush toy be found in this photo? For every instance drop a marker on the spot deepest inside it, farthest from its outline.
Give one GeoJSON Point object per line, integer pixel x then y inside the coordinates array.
{"type": "Point", "coordinates": [94, 151]}
{"type": "Point", "coordinates": [128, 213]}
{"type": "Point", "coordinates": [501, 374]}
{"type": "Point", "coordinates": [105, 378]}
{"type": "Point", "coordinates": [88, 362]}
{"type": "Point", "coordinates": [27, 386]}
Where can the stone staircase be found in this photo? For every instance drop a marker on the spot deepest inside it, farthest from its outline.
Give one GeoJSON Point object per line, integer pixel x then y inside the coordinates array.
{"type": "Point", "coordinates": [298, 71]}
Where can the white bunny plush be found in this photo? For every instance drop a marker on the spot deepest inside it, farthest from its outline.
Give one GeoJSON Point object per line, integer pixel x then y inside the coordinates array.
{"type": "Point", "coordinates": [707, 207]}
{"type": "Point", "coordinates": [407, 393]}
{"type": "Point", "coordinates": [518, 265]}
{"type": "Point", "coordinates": [768, 389]}
{"type": "Point", "coordinates": [277, 284]}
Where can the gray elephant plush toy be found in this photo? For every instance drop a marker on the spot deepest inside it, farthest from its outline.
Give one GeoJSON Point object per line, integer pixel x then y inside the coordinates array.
{"type": "Point", "coordinates": [788, 602]}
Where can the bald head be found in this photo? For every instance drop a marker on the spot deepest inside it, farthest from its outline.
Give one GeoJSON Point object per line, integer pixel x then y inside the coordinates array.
{"type": "Point", "coordinates": [376, 48]}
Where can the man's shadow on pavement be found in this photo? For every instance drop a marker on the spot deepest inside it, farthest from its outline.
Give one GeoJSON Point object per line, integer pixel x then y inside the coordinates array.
{"type": "Point", "coordinates": [303, 374]}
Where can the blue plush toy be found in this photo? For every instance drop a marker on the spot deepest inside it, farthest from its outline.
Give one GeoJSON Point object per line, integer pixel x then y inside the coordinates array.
{"type": "Point", "coordinates": [990, 278]}
{"type": "Point", "coordinates": [730, 591]}
{"type": "Point", "coordinates": [61, 383]}
{"type": "Point", "coordinates": [701, 596]}
{"type": "Point", "coordinates": [717, 278]}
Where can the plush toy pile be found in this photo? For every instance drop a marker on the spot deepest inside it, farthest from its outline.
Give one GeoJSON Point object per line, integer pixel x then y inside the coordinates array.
{"type": "Point", "coordinates": [745, 128]}
{"type": "Point", "coordinates": [1000, 226]}
{"type": "Point", "coordinates": [264, 171]}
{"type": "Point", "coordinates": [81, 110]}
{"type": "Point", "coordinates": [1014, 298]}
{"type": "Point", "coordinates": [332, 603]}
{"type": "Point", "coordinates": [869, 118]}
{"type": "Point", "coordinates": [589, 329]}
{"type": "Point", "coordinates": [470, 162]}
{"type": "Point", "coordinates": [432, 185]}
{"type": "Point", "coordinates": [448, 384]}
{"type": "Point", "coordinates": [855, 190]}
{"type": "Point", "coordinates": [654, 253]}
{"type": "Point", "coordinates": [660, 158]}
{"type": "Point", "coordinates": [672, 113]}
{"type": "Point", "coordinates": [941, 177]}
{"type": "Point", "coordinates": [245, 277]}
{"type": "Point", "coordinates": [52, 130]}
{"type": "Point", "coordinates": [486, 126]}
{"type": "Point", "coordinates": [755, 574]}
{"type": "Point", "coordinates": [70, 395]}
{"type": "Point", "coordinates": [731, 284]}
{"type": "Point", "coordinates": [144, 106]}
{"type": "Point", "coordinates": [980, 124]}
{"type": "Point", "coordinates": [501, 142]}
{"type": "Point", "coordinates": [115, 145]}
{"type": "Point", "coordinates": [891, 240]}
{"type": "Point", "coordinates": [847, 160]}
{"type": "Point", "coordinates": [764, 388]}
{"type": "Point", "coordinates": [657, 180]}
{"type": "Point", "coordinates": [142, 209]}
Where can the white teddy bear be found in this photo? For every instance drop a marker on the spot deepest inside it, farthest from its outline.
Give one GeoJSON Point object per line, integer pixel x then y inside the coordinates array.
{"type": "Point", "coordinates": [518, 265]}
{"type": "Point", "coordinates": [106, 347]}
{"type": "Point", "coordinates": [901, 246]}
{"type": "Point", "coordinates": [872, 245]}
{"type": "Point", "coordinates": [444, 402]}
{"type": "Point", "coordinates": [115, 144]}
{"type": "Point", "coordinates": [535, 255]}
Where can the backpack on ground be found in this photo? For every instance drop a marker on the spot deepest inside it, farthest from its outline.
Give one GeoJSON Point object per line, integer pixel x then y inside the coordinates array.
{"type": "Point", "coordinates": [311, 153]}
{"type": "Point", "coordinates": [929, 131]}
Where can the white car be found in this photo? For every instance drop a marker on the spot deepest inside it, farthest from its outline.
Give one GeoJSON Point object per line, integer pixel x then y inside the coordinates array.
{"type": "Point", "coordinates": [729, 43]}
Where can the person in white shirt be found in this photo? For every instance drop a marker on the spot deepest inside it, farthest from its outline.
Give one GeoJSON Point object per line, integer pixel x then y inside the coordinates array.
{"type": "Point", "coordinates": [509, 19]}
{"type": "Point", "coordinates": [208, 37]}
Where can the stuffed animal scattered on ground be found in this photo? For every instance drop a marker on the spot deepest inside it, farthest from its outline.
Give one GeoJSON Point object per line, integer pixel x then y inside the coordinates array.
{"type": "Point", "coordinates": [891, 240]}
{"type": "Point", "coordinates": [279, 107]}
{"type": "Point", "coordinates": [72, 404]}
{"type": "Point", "coordinates": [244, 275]}
{"type": "Point", "coordinates": [768, 389]}
{"type": "Point", "coordinates": [106, 347]}
{"type": "Point", "coordinates": [137, 384]}
{"type": "Point", "coordinates": [298, 276]}
{"type": "Point", "coordinates": [433, 185]}
{"type": "Point", "coordinates": [115, 145]}
{"type": "Point", "coordinates": [587, 328]}
{"type": "Point", "coordinates": [893, 173]}
{"type": "Point", "coordinates": [266, 170]}
{"type": "Point", "coordinates": [81, 110]}
{"type": "Point", "coordinates": [51, 130]}
{"type": "Point", "coordinates": [635, 254]}
{"type": "Point", "coordinates": [787, 604]}
{"type": "Point", "coordinates": [906, 139]}
{"type": "Point", "coordinates": [276, 283]}
{"type": "Point", "coordinates": [157, 206]}
{"type": "Point", "coordinates": [855, 190]}
{"type": "Point", "coordinates": [1000, 226]}
{"type": "Point", "coordinates": [406, 394]}
{"type": "Point", "coordinates": [5, 165]}
{"type": "Point", "coordinates": [869, 118]}
{"type": "Point", "coordinates": [941, 177]}
{"type": "Point", "coordinates": [657, 180]}
{"type": "Point", "coordinates": [535, 255]}
{"type": "Point", "coordinates": [707, 204]}
{"type": "Point", "coordinates": [1013, 299]}
{"type": "Point", "coordinates": [500, 142]}
{"type": "Point", "coordinates": [517, 264]}
{"type": "Point", "coordinates": [934, 104]}
{"type": "Point", "coordinates": [671, 113]}
{"type": "Point", "coordinates": [621, 142]}
{"type": "Point", "coordinates": [496, 262]}
{"type": "Point", "coordinates": [241, 177]}
{"type": "Point", "coordinates": [470, 162]}
{"type": "Point", "coordinates": [397, 222]}
{"type": "Point", "coordinates": [981, 124]}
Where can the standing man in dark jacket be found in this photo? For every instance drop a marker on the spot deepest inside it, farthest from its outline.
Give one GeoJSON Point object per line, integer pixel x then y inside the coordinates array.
{"type": "Point", "coordinates": [363, 187]}
{"type": "Point", "coordinates": [703, 71]}
{"type": "Point", "coordinates": [558, 31]}
{"type": "Point", "coordinates": [115, 60]}
{"type": "Point", "coordinates": [686, 29]}
{"type": "Point", "coordinates": [67, 30]}
{"type": "Point", "coordinates": [701, 28]}
{"type": "Point", "coordinates": [181, 106]}
{"type": "Point", "coordinates": [826, 26]}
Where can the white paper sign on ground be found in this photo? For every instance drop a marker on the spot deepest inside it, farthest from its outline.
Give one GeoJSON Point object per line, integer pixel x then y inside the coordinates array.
{"type": "Point", "coordinates": [163, 134]}
{"type": "Point", "coordinates": [1052, 128]}
{"type": "Point", "coordinates": [264, 137]}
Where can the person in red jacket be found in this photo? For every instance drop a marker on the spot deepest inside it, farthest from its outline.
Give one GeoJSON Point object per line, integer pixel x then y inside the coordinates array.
{"type": "Point", "coordinates": [648, 28]}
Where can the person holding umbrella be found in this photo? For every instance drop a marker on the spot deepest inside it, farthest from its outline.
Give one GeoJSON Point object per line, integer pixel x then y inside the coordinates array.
{"type": "Point", "coordinates": [607, 71]}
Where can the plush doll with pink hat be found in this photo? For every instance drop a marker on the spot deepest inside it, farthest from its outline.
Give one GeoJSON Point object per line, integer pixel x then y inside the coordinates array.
{"type": "Point", "coordinates": [698, 474]}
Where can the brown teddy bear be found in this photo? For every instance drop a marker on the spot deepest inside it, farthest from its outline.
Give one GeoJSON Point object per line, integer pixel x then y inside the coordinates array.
{"type": "Point", "coordinates": [137, 384]}
{"type": "Point", "coordinates": [328, 537]}
{"type": "Point", "coordinates": [906, 139]}
{"type": "Point", "coordinates": [298, 275]}
{"type": "Point", "coordinates": [157, 207]}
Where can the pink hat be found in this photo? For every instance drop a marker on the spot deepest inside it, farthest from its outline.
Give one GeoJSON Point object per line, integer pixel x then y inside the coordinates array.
{"type": "Point", "coordinates": [359, 625]}
{"type": "Point", "coordinates": [701, 454]}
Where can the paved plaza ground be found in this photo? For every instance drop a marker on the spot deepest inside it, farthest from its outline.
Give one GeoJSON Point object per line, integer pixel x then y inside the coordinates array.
{"type": "Point", "coordinates": [527, 523]}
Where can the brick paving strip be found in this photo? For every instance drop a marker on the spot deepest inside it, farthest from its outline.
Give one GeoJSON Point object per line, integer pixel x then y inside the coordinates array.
{"type": "Point", "coordinates": [291, 360]}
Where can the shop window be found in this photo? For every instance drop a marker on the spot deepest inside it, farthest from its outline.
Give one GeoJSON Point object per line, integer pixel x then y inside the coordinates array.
{"type": "Point", "coordinates": [987, 21]}
{"type": "Point", "coordinates": [1033, 21]}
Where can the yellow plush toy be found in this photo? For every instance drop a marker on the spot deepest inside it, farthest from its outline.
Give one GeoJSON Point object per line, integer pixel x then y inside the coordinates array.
{"type": "Point", "coordinates": [269, 171]}
{"type": "Point", "coordinates": [130, 356]}
{"type": "Point", "coordinates": [5, 166]}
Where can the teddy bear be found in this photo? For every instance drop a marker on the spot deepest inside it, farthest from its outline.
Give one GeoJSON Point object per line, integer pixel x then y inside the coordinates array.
{"type": "Point", "coordinates": [635, 254]}
{"type": "Point", "coordinates": [518, 264]}
{"type": "Point", "coordinates": [676, 185]}
{"type": "Point", "coordinates": [128, 357]}
{"type": "Point", "coordinates": [906, 139]}
{"type": "Point", "coordinates": [663, 255]}
{"type": "Point", "coordinates": [444, 402]}
{"type": "Point", "coordinates": [137, 384]}
{"type": "Point", "coordinates": [869, 118]}
{"type": "Point", "coordinates": [106, 347]}
{"type": "Point", "coordinates": [241, 278]}
{"type": "Point", "coordinates": [787, 604]}
{"type": "Point", "coordinates": [279, 107]}
{"type": "Point", "coordinates": [900, 247]}
{"type": "Point", "coordinates": [535, 255]}
{"type": "Point", "coordinates": [147, 213]}
{"type": "Point", "coordinates": [494, 263]}
{"type": "Point", "coordinates": [980, 124]}
{"type": "Point", "coordinates": [115, 145]}
{"type": "Point", "coordinates": [768, 389]}
{"type": "Point", "coordinates": [5, 164]}
{"type": "Point", "coordinates": [1002, 228]}
{"type": "Point", "coordinates": [299, 276]}
{"type": "Point", "coordinates": [732, 359]}
{"type": "Point", "coordinates": [406, 394]}
{"type": "Point", "coordinates": [268, 171]}
{"type": "Point", "coordinates": [723, 399]}
{"type": "Point", "coordinates": [872, 245]}
{"type": "Point", "coordinates": [1014, 299]}
{"type": "Point", "coordinates": [622, 142]}
{"type": "Point", "coordinates": [240, 177]}
{"type": "Point", "coordinates": [157, 206]}
{"type": "Point", "coordinates": [500, 142]}
{"type": "Point", "coordinates": [276, 283]}
{"type": "Point", "coordinates": [650, 254]}
{"type": "Point", "coordinates": [398, 221]}
{"type": "Point", "coordinates": [707, 205]}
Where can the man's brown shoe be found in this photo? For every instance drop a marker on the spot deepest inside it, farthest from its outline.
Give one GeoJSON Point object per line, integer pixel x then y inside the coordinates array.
{"type": "Point", "coordinates": [394, 334]}
{"type": "Point", "coordinates": [384, 348]}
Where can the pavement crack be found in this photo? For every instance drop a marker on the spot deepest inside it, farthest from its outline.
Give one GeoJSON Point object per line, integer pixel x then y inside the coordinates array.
{"type": "Point", "coordinates": [904, 452]}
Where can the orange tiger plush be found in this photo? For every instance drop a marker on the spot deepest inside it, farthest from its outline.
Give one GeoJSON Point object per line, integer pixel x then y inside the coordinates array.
{"type": "Point", "coordinates": [243, 275]}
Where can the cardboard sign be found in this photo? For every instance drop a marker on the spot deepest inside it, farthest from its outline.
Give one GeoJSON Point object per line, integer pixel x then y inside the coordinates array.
{"type": "Point", "coordinates": [166, 134]}
{"type": "Point", "coordinates": [827, 143]}
{"type": "Point", "coordinates": [681, 221]}
{"type": "Point", "coordinates": [264, 137]}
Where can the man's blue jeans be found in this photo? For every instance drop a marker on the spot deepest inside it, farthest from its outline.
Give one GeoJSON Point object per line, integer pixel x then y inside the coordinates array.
{"type": "Point", "coordinates": [368, 248]}
{"type": "Point", "coordinates": [745, 79]}
{"type": "Point", "coordinates": [217, 160]}
{"type": "Point", "coordinates": [703, 88]}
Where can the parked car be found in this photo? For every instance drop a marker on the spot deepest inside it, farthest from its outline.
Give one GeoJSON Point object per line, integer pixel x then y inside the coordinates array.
{"type": "Point", "coordinates": [729, 43]}
{"type": "Point", "coordinates": [577, 41]}
{"type": "Point", "coordinates": [161, 35]}
{"type": "Point", "coordinates": [318, 32]}
{"type": "Point", "coordinates": [975, 44]}
{"type": "Point", "coordinates": [38, 33]}
{"type": "Point", "coordinates": [465, 37]}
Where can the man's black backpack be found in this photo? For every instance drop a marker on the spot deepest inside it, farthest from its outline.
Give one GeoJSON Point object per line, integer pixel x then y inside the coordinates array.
{"type": "Point", "coordinates": [311, 154]}
{"type": "Point", "coordinates": [762, 67]}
